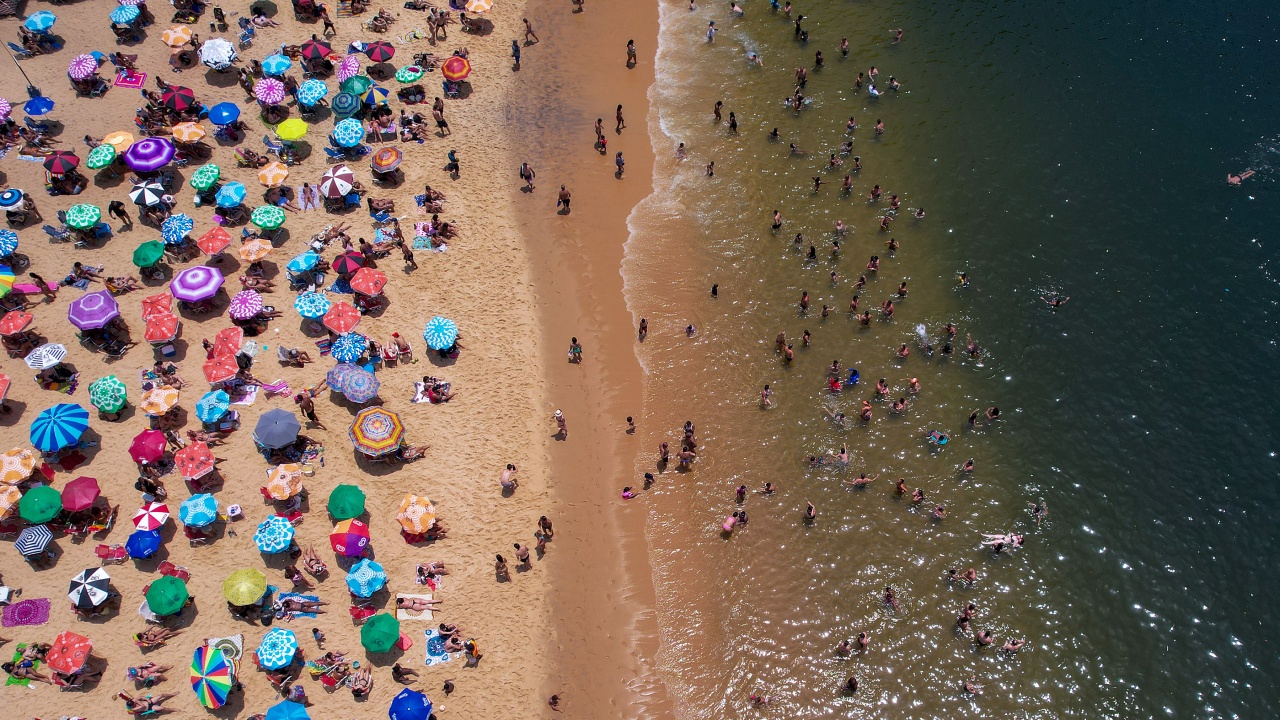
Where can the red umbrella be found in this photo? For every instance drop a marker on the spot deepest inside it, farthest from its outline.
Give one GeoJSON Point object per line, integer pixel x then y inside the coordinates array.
{"type": "Point", "coordinates": [380, 51]}
{"type": "Point", "coordinates": [214, 241]}
{"type": "Point", "coordinates": [147, 447]}
{"type": "Point", "coordinates": [342, 317]}
{"type": "Point", "coordinates": [178, 98]}
{"type": "Point", "coordinates": [161, 304]}
{"type": "Point", "coordinates": [4, 386]}
{"type": "Point", "coordinates": [194, 461]}
{"type": "Point", "coordinates": [69, 652]}
{"type": "Point", "coordinates": [162, 328]}
{"type": "Point", "coordinates": [220, 368]}
{"type": "Point", "coordinates": [80, 494]}
{"type": "Point", "coordinates": [14, 321]}
{"type": "Point", "coordinates": [348, 263]}
{"type": "Point", "coordinates": [316, 49]}
{"type": "Point", "coordinates": [455, 68]}
{"type": "Point", "coordinates": [368, 281]}
{"type": "Point", "coordinates": [228, 342]}
{"type": "Point", "coordinates": [61, 162]}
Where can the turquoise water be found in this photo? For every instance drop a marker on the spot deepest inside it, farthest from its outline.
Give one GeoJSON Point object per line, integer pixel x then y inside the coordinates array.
{"type": "Point", "coordinates": [1063, 148]}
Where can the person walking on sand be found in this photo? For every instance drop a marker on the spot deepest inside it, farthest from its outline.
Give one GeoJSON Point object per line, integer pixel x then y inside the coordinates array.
{"type": "Point", "coordinates": [563, 199]}
{"type": "Point", "coordinates": [528, 32]}
{"type": "Point", "coordinates": [116, 209]}
{"type": "Point", "coordinates": [308, 407]}
{"type": "Point", "coordinates": [527, 174]}
{"type": "Point", "coordinates": [562, 425]}
{"type": "Point", "coordinates": [621, 123]}
{"type": "Point", "coordinates": [622, 164]}
{"type": "Point", "coordinates": [515, 53]}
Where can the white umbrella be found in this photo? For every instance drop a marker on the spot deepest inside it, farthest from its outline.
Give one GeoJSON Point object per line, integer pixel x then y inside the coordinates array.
{"type": "Point", "coordinates": [217, 53]}
{"type": "Point", "coordinates": [46, 356]}
{"type": "Point", "coordinates": [147, 194]}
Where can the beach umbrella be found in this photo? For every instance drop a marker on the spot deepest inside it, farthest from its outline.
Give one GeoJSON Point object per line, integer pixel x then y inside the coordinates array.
{"type": "Point", "coordinates": [40, 21]}
{"type": "Point", "coordinates": [366, 578]}
{"type": "Point", "coordinates": [311, 305]}
{"type": "Point", "coordinates": [274, 535]}
{"type": "Point", "coordinates": [80, 494]}
{"type": "Point", "coordinates": [6, 109]}
{"type": "Point", "coordinates": [284, 481]}
{"type": "Point", "coordinates": [212, 676]}
{"type": "Point", "coordinates": [14, 321]}
{"type": "Point", "coordinates": [46, 356]}
{"type": "Point", "coordinates": [276, 64]}
{"type": "Point", "coordinates": [216, 240]}
{"type": "Point", "coordinates": [316, 49]}
{"type": "Point", "coordinates": [440, 333]}
{"type": "Point", "coordinates": [147, 194]}
{"type": "Point", "coordinates": [159, 400]}
{"type": "Point", "coordinates": [69, 652]}
{"type": "Point", "coordinates": [302, 262]}
{"type": "Point", "coordinates": [108, 394]}
{"type": "Point", "coordinates": [149, 154]}
{"type": "Point", "coordinates": [167, 595]}
{"type": "Point", "coordinates": [368, 281]}
{"type": "Point", "coordinates": [356, 85]}
{"type": "Point", "coordinates": [386, 159]}
{"type": "Point", "coordinates": [118, 139]}
{"type": "Point", "coordinates": [276, 428]}
{"type": "Point", "coordinates": [93, 310]}
{"type": "Point", "coordinates": [311, 92]}
{"type": "Point", "coordinates": [346, 502]}
{"type": "Point", "coordinates": [269, 91]}
{"type": "Point", "coordinates": [228, 341]}
{"type": "Point", "coordinates": [348, 133]}
{"type": "Point", "coordinates": [147, 447]}
{"type": "Point", "coordinates": [348, 68]}
{"type": "Point", "coordinates": [10, 495]}
{"type": "Point", "coordinates": [151, 516]}
{"type": "Point", "coordinates": [267, 217]}
{"type": "Point", "coordinates": [376, 431]}
{"type": "Point", "coordinates": [8, 242]}
{"type": "Point", "coordinates": [217, 53]}
{"type": "Point", "coordinates": [7, 278]}
{"type": "Point", "coordinates": [89, 589]}
{"type": "Point", "coordinates": [161, 328]}
{"type": "Point", "coordinates": [159, 304]}
{"type": "Point", "coordinates": [196, 283]}
{"type": "Point", "coordinates": [342, 318]}
{"type": "Point", "coordinates": [10, 197]}
{"type": "Point", "coordinates": [416, 514]}
{"type": "Point", "coordinates": [17, 465]}
{"type": "Point", "coordinates": [178, 99]}
{"type": "Point", "coordinates": [380, 633]}
{"type": "Point", "coordinates": [349, 347]}
{"type": "Point", "coordinates": [38, 106]}
{"type": "Point", "coordinates": [273, 175]}
{"type": "Point", "coordinates": [198, 510]}
{"type": "Point", "coordinates": [224, 113]}
{"type": "Point", "coordinates": [380, 51]}
{"type": "Point", "coordinates": [33, 540]}
{"type": "Point", "coordinates": [456, 68]}
{"type": "Point", "coordinates": [337, 181]}
{"type": "Point", "coordinates": [205, 176]}
{"type": "Point", "coordinates": [174, 229]}
{"type": "Point", "coordinates": [349, 538]}
{"type": "Point", "coordinates": [146, 255]}
{"type": "Point", "coordinates": [142, 544]}
{"type": "Point", "coordinates": [244, 587]}
{"type": "Point", "coordinates": [245, 304]}
{"type": "Point", "coordinates": [375, 95]}
{"type": "Point", "coordinates": [212, 406]}
{"type": "Point", "coordinates": [176, 36]}
{"type": "Point", "coordinates": [59, 426]}
{"type": "Point", "coordinates": [479, 6]}
{"type": "Point", "coordinates": [82, 216]}
{"type": "Point", "coordinates": [345, 104]}
{"type": "Point", "coordinates": [409, 705]}
{"type": "Point", "coordinates": [291, 129]}
{"type": "Point", "coordinates": [348, 263]}
{"type": "Point", "coordinates": [220, 368]}
{"type": "Point", "coordinates": [61, 162]}
{"type": "Point", "coordinates": [255, 249]}
{"type": "Point", "coordinates": [101, 157]}
{"type": "Point", "coordinates": [409, 74]}
{"type": "Point", "coordinates": [287, 710]}
{"type": "Point", "coordinates": [360, 385]}
{"type": "Point", "coordinates": [124, 14]}
{"type": "Point", "coordinates": [40, 504]}
{"type": "Point", "coordinates": [194, 461]}
{"type": "Point", "coordinates": [188, 132]}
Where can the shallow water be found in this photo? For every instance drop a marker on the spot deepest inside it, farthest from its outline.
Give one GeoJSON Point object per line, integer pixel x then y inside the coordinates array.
{"type": "Point", "coordinates": [1073, 148]}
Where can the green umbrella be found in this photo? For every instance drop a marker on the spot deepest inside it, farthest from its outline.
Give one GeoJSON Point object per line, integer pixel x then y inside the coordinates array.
{"type": "Point", "coordinates": [267, 217]}
{"type": "Point", "coordinates": [101, 156]}
{"type": "Point", "coordinates": [83, 216]}
{"type": "Point", "coordinates": [167, 595]}
{"type": "Point", "coordinates": [148, 253]}
{"type": "Point", "coordinates": [346, 502]}
{"type": "Point", "coordinates": [409, 73]}
{"type": "Point", "coordinates": [356, 85]}
{"type": "Point", "coordinates": [41, 504]}
{"type": "Point", "coordinates": [108, 394]}
{"type": "Point", "coordinates": [380, 633]}
{"type": "Point", "coordinates": [205, 176]}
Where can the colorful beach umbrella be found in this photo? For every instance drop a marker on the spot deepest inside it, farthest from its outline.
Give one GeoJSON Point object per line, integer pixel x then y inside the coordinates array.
{"type": "Point", "coordinates": [224, 113]}
{"type": "Point", "coordinates": [409, 705]}
{"type": "Point", "coordinates": [386, 159]}
{"type": "Point", "coordinates": [80, 494]}
{"type": "Point", "coordinates": [316, 49]}
{"type": "Point", "coordinates": [376, 431]}
{"type": "Point", "coordinates": [337, 181]}
{"type": "Point", "coordinates": [291, 129]}
{"type": "Point", "coordinates": [311, 305]}
{"type": "Point", "coordinates": [33, 540]}
{"type": "Point", "coordinates": [148, 254]}
{"type": "Point", "coordinates": [244, 587]}
{"type": "Point", "coordinates": [274, 65]}
{"type": "Point", "coordinates": [148, 446]}
{"type": "Point", "coordinates": [90, 588]}
{"type": "Point", "coordinates": [312, 91]}
{"type": "Point", "coordinates": [229, 196]}
{"type": "Point", "coordinates": [38, 106]}
{"type": "Point", "coordinates": [149, 154]}
{"type": "Point", "coordinates": [40, 21]}
{"type": "Point", "coordinates": [284, 481]}
{"type": "Point", "coordinates": [178, 99]}
{"type": "Point", "coordinates": [58, 427]}
{"type": "Point", "coordinates": [273, 175]}
{"type": "Point", "coordinates": [276, 428]}
{"type": "Point", "coordinates": [10, 495]}
{"type": "Point", "coordinates": [46, 356]}
{"type": "Point", "coordinates": [342, 318]}
{"type": "Point", "coordinates": [83, 216]}
{"type": "Point", "coordinates": [151, 516]}
{"type": "Point", "coordinates": [147, 194]}
{"type": "Point", "coordinates": [359, 385]}
{"type": "Point", "coordinates": [455, 68]}
{"type": "Point", "coordinates": [346, 502]}
{"type": "Point", "coordinates": [142, 544]}
{"type": "Point", "coordinates": [269, 91]}
{"type": "Point", "coordinates": [380, 51]}
{"type": "Point", "coordinates": [348, 133]}
{"type": "Point", "coordinates": [188, 132]}
{"type": "Point", "coordinates": [167, 595]}
{"type": "Point", "coordinates": [302, 262]}
{"type": "Point", "coordinates": [375, 95]}
{"type": "Point", "coordinates": [61, 162]}
{"type": "Point", "coordinates": [118, 139]}
{"type": "Point", "coordinates": [349, 347]}
{"type": "Point", "coordinates": [217, 53]}
{"type": "Point", "coordinates": [17, 465]}
{"type": "Point", "coordinates": [228, 341]}
{"type": "Point", "coordinates": [267, 217]}
{"type": "Point", "coordinates": [198, 511]}
{"type": "Point", "coordinates": [101, 157]}
{"type": "Point", "coordinates": [8, 242]}
{"type": "Point", "coordinates": [212, 676]}
{"type": "Point", "coordinates": [69, 652]}
{"type": "Point", "coordinates": [175, 228]}
{"type": "Point", "coordinates": [40, 504]}
{"type": "Point", "coordinates": [205, 176]}
{"type": "Point", "coordinates": [366, 578]}
{"type": "Point", "coordinates": [345, 104]}
{"type": "Point", "coordinates": [158, 304]}
{"type": "Point", "coordinates": [409, 74]}
{"type": "Point", "coordinates": [161, 328]}
{"type": "Point", "coordinates": [440, 333]}
{"type": "Point", "coordinates": [368, 281]}
{"type": "Point", "coordinates": [108, 394]}
{"type": "Point", "coordinates": [176, 36]}
{"type": "Point", "coordinates": [416, 514]}
{"type": "Point", "coordinates": [10, 197]}
{"type": "Point", "coordinates": [245, 304]}
{"type": "Point", "coordinates": [93, 310]}
{"type": "Point", "coordinates": [348, 68]}
{"type": "Point", "coordinates": [194, 461]}
{"type": "Point", "coordinates": [7, 279]}
{"type": "Point", "coordinates": [212, 406]}
{"type": "Point", "coordinates": [220, 368]}
{"type": "Point", "coordinates": [124, 14]}
{"type": "Point", "coordinates": [6, 109]}
{"type": "Point", "coordinates": [380, 633]}
{"type": "Point", "coordinates": [159, 400]}
{"type": "Point", "coordinates": [254, 249]}
{"type": "Point", "coordinates": [349, 538]}
{"type": "Point", "coordinates": [15, 321]}
{"type": "Point", "coordinates": [274, 535]}
{"type": "Point", "coordinates": [196, 283]}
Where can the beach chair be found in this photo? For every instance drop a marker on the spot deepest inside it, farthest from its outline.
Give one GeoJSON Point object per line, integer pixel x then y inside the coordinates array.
{"type": "Point", "coordinates": [103, 527]}
{"type": "Point", "coordinates": [335, 154]}
{"type": "Point", "coordinates": [247, 33]}
{"type": "Point", "coordinates": [102, 231]}
{"type": "Point", "coordinates": [111, 554]}
{"type": "Point", "coordinates": [40, 127]}
{"type": "Point", "coordinates": [20, 52]}
{"type": "Point", "coordinates": [57, 234]}
{"type": "Point", "coordinates": [168, 568]}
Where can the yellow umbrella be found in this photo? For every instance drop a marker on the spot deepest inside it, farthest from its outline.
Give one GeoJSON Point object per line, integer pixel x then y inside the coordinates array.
{"type": "Point", "coordinates": [17, 465]}
{"type": "Point", "coordinates": [285, 481]}
{"type": "Point", "coordinates": [119, 139]}
{"type": "Point", "coordinates": [417, 514]}
{"type": "Point", "coordinates": [188, 132]}
{"type": "Point", "coordinates": [291, 129]}
{"type": "Point", "coordinates": [273, 174]}
{"type": "Point", "coordinates": [244, 587]}
{"type": "Point", "coordinates": [176, 36]}
{"type": "Point", "coordinates": [255, 249]}
{"type": "Point", "coordinates": [160, 400]}
{"type": "Point", "coordinates": [9, 497]}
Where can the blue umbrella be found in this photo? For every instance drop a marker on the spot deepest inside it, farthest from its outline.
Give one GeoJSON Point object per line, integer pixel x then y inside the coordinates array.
{"type": "Point", "coordinates": [312, 91]}
{"type": "Point", "coordinates": [348, 133]}
{"type": "Point", "coordinates": [198, 510]}
{"type": "Point", "coordinates": [58, 427]}
{"type": "Point", "coordinates": [8, 242]}
{"type": "Point", "coordinates": [10, 198]}
{"type": "Point", "coordinates": [37, 106]}
{"type": "Point", "coordinates": [440, 333]}
{"type": "Point", "coordinates": [349, 347]}
{"type": "Point", "coordinates": [33, 540]}
{"type": "Point", "coordinates": [40, 21]}
{"type": "Point", "coordinates": [366, 578]}
{"type": "Point", "coordinates": [376, 95]}
{"type": "Point", "coordinates": [231, 194]}
{"type": "Point", "coordinates": [276, 65]}
{"type": "Point", "coordinates": [125, 14]}
{"type": "Point", "coordinates": [142, 544]}
{"type": "Point", "coordinates": [409, 705]}
{"type": "Point", "coordinates": [276, 651]}
{"type": "Point", "coordinates": [356, 383]}
{"type": "Point", "coordinates": [224, 113]}
{"type": "Point", "coordinates": [274, 535]}
{"type": "Point", "coordinates": [212, 406]}
{"type": "Point", "coordinates": [287, 710]}
{"type": "Point", "coordinates": [303, 262]}
{"type": "Point", "coordinates": [345, 104]}
{"type": "Point", "coordinates": [311, 305]}
{"type": "Point", "coordinates": [175, 228]}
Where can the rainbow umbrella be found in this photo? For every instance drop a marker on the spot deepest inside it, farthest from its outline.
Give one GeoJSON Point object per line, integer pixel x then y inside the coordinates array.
{"type": "Point", "coordinates": [212, 676]}
{"type": "Point", "coordinates": [349, 537]}
{"type": "Point", "coordinates": [376, 431]}
{"type": "Point", "coordinates": [6, 280]}
{"type": "Point", "coordinates": [58, 427]}
{"type": "Point", "coordinates": [386, 159]}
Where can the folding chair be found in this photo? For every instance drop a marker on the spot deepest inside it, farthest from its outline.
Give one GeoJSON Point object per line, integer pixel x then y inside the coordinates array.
{"type": "Point", "coordinates": [111, 554]}
{"type": "Point", "coordinates": [57, 234]}
{"type": "Point", "coordinates": [40, 127]}
{"type": "Point", "coordinates": [20, 52]}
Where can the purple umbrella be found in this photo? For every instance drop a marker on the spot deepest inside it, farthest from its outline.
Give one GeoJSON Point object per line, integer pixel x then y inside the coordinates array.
{"type": "Point", "coordinates": [245, 305]}
{"type": "Point", "coordinates": [82, 67]}
{"type": "Point", "coordinates": [94, 310]}
{"type": "Point", "coordinates": [269, 91]}
{"type": "Point", "coordinates": [149, 154]}
{"type": "Point", "coordinates": [196, 283]}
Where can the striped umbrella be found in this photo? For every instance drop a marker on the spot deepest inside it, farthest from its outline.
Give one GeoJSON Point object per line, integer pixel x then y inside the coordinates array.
{"type": "Point", "coordinates": [345, 104]}
{"type": "Point", "coordinates": [348, 68]}
{"type": "Point", "coordinates": [142, 544]}
{"type": "Point", "coordinates": [312, 91]}
{"type": "Point", "coordinates": [217, 239]}
{"type": "Point", "coordinates": [167, 595]}
{"type": "Point", "coordinates": [386, 159]}
{"type": "Point", "coordinates": [198, 510]}
{"type": "Point", "coordinates": [40, 504]}
{"type": "Point", "coordinates": [217, 53]}
{"type": "Point", "coordinates": [174, 229]}
{"type": "Point", "coordinates": [255, 249]}
{"type": "Point", "coordinates": [58, 427]}
{"type": "Point", "coordinates": [440, 333]}
{"type": "Point", "coordinates": [83, 216]}
{"type": "Point", "coordinates": [380, 51]}
{"type": "Point", "coordinates": [80, 494]}
{"type": "Point", "coordinates": [33, 540]}
{"type": "Point", "coordinates": [89, 589]}
{"type": "Point", "coordinates": [311, 305]}
{"type": "Point", "coordinates": [376, 431]}
{"type": "Point", "coordinates": [366, 578]}
{"type": "Point", "coordinates": [342, 318]}
{"type": "Point", "coordinates": [416, 514]}
{"type": "Point", "coordinates": [46, 356]}
{"type": "Point", "coordinates": [276, 64]}
{"type": "Point", "coordinates": [161, 328]}
{"type": "Point", "coordinates": [244, 587]}
{"type": "Point", "coordinates": [17, 465]}
{"type": "Point", "coordinates": [188, 132]}
{"type": "Point", "coordinates": [368, 281]}
{"type": "Point", "coordinates": [151, 516]}
{"type": "Point", "coordinates": [92, 311]}
{"type": "Point", "coordinates": [348, 133]}
{"type": "Point", "coordinates": [147, 194]}
{"type": "Point", "coordinates": [124, 14]}
{"type": "Point", "coordinates": [159, 304]}
{"type": "Point", "coordinates": [274, 174]}
{"type": "Point", "coordinates": [456, 68]}
{"type": "Point", "coordinates": [151, 153]}
{"type": "Point", "coordinates": [108, 394]}
{"type": "Point", "coordinates": [274, 535]}
{"type": "Point", "coordinates": [212, 406]}
{"type": "Point", "coordinates": [267, 217]}
{"type": "Point", "coordinates": [6, 109]}
{"type": "Point", "coordinates": [316, 49]}
{"type": "Point", "coordinates": [194, 461]}
{"type": "Point", "coordinates": [9, 197]}
{"type": "Point", "coordinates": [277, 649]}
{"type": "Point", "coordinates": [349, 347]}
{"type": "Point", "coordinates": [245, 305]}
{"type": "Point", "coordinates": [101, 157]}
{"type": "Point", "coordinates": [337, 181]}
{"type": "Point", "coordinates": [269, 91]}
{"type": "Point", "coordinates": [159, 400]}
{"type": "Point", "coordinates": [196, 283]}
{"type": "Point", "coordinates": [212, 676]}
{"type": "Point", "coordinates": [375, 95]}
{"type": "Point", "coordinates": [15, 321]}
{"type": "Point", "coordinates": [205, 176]}
{"type": "Point", "coordinates": [176, 36]}
{"type": "Point", "coordinates": [409, 73]}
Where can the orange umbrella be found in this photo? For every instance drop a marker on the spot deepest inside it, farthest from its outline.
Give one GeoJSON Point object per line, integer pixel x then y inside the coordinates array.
{"type": "Point", "coordinates": [368, 281]}
{"type": "Point", "coordinates": [342, 317]}
{"type": "Point", "coordinates": [214, 241]}
{"type": "Point", "coordinates": [456, 68]}
{"type": "Point", "coordinates": [159, 400]}
{"type": "Point", "coordinates": [194, 461]}
{"type": "Point", "coordinates": [17, 465]}
{"type": "Point", "coordinates": [417, 514]}
{"type": "Point", "coordinates": [255, 249]}
{"type": "Point", "coordinates": [188, 132]}
{"type": "Point", "coordinates": [220, 368]}
{"type": "Point", "coordinates": [176, 36]}
{"type": "Point", "coordinates": [273, 174]}
{"type": "Point", "coordinates": [228, 342]}
{"type": "Point", "coordinates": [161, 304]}
{"type": "Point", "coordinates": [162, 328]}
{"type": "Point", "coordinates": [69, 652]}
{"type": "Point", "coordinates": [285, 481]}
{"type": "Point", "coordinates": [15, 321]}
{"type": "Point", "coordinates": [9, 497]}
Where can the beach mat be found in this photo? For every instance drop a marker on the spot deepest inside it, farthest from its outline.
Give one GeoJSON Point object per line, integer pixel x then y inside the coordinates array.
{"type": "Point", "coordinates": [296, 596]}
{"type": "Point", "coordinates": [25, 612]}
{"type": "Point", "coordinates": [402, 614]}
{"type": "Point", "coordinates": [435, 654]}
{"type": "Point", "coordinates": [232, 646]}
{"type": "Point", "coordinates": [133, 80]}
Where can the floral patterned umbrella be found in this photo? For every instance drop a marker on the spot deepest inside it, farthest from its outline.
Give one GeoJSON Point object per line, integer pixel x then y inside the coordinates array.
{"type": "Point", "coordinates": [108, 394]}
{"type": "Point", "coordinates": [348, 133]}
{"type": "Point", "coordinates": [269, 91]}
{"type": "Point", "coordinates": [245, 305]}
{"type": "Point", "coordinates": [311, 305]}
{"type": "Point", "coordinates": [83, 216]}
{"type": "Point", "coordinates": [312, 91]}
{"type": "Point", "coordinates": [205, 176]}
{"type": "Point", "coordinates": [101, 157]}
{"type": "Point", "coordinates": [267, 217]}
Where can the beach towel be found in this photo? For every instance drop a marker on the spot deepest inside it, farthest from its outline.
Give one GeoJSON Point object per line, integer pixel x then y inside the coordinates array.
{"type": "Point", "coordinates": [17, 655]}
{"type": "Point", "coordinates": [133, 80]}
{"type": "Point", "coordinates": [435, 649]}
{"type": "Point", "coordinates": [341, 286]}
{"type": "Point", "coordinates": [25, 612]}
{"type": "Point", "coordinates": [323, 345]}
{"type": "Point", "coordinates": [344, 9]}
{"type": "Point", "coordinates": [296, 596]}
{"type": "Point", "coordinates": [279, 387]}
{"type": "Point", "coordinates": [403, 614]}
{"type": "Point", "coordinates": [29, 288]}
{"type": "Point", "coordinates": [245, 395]}
{"type": "Point", "coordinates": [432, 583]}
{"type": "Point", "coordinates": [231, 646]}
{"type": "Point", "coordinates": [71, 462]}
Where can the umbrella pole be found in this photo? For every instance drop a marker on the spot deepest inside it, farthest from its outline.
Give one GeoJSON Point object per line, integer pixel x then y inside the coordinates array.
{"type": "Point", "coordinates": [32, 90]}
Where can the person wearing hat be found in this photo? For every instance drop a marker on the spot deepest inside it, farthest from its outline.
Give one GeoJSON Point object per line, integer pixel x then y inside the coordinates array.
{"type": "Point", "coordinates": [562, 425]}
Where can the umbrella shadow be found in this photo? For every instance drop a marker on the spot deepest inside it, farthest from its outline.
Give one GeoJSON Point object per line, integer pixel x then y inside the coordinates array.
{"type": "Point", "coordinates": [377, 468]}
{"type": "Point", "coordinates": [381, 72]}
{"type": "Point", "coordinates": [162, 277]}
{"type": "Point", "coordinates": [221, 78]}
{"type": "Point", "coordinates": [233, 708]}
{"type": "Point", "coordinates": [122, 415]}
{"type": "Point", "coordinates": [268, 8]}
{"type": "Point", "coordinates": [441, 362]}
{"type": "Point", "coordinates": [14, 413]}
{"type": "Point", "coordinates": [105, 179]}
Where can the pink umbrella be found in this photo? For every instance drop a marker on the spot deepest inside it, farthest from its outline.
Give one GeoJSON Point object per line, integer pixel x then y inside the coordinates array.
{"type": "Point", "coordinates": [151, 516]}
{"type": "Point", "coordinates": [349, 67]}
{"type": "Point", "coordinates": [269, 91]}
{"type": "Point", "coordinates": [82, 67]}
{"type": "Point", "coordinates": [245, 305]}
